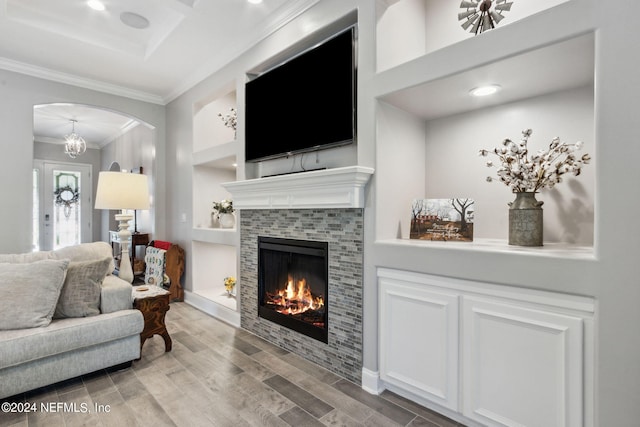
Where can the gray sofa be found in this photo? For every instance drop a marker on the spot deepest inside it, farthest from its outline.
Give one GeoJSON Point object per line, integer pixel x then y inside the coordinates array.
{"type": "Point", "coordinates": [70, 346]}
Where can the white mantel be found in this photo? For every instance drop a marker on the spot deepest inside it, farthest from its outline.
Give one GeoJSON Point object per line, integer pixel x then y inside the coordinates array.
{"type": "Point", "coordinates": [321, 189]}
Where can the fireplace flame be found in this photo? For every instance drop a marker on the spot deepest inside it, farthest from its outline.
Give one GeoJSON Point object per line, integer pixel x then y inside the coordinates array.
{"type": "Point", "coordinates": [297, 298]}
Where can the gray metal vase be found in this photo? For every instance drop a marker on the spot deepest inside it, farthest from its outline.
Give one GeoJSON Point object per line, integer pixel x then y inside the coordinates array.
{"type": "Point", "coordinates": [525, 220]}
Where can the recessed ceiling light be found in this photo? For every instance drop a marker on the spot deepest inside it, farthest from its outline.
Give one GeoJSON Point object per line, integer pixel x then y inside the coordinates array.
{"type": "Point", "coordinates": [134, 20]}
{"type": "Point", "coordinates": [96, 5]}
{"type": "Point", "coordinates": [255, 1]}
{"type": "Point", "coordinates": [484, 90]}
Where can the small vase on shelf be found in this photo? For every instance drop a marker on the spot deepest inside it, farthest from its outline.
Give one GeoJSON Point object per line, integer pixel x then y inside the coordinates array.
{"type": "Point", "coordinates": [227, 220]}
{"type": "Point", "coordinates": [525, 220]}
{"type": "Point", "coordinates": [224, 212]}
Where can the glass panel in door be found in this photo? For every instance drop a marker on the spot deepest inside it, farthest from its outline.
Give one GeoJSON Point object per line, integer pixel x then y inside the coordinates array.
{"type": "Point", "coordinates": [67, 205]}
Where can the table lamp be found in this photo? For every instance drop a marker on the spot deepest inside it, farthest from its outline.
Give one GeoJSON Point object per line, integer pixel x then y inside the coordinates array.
{"type": "Point", "coordinates": [124, 191]}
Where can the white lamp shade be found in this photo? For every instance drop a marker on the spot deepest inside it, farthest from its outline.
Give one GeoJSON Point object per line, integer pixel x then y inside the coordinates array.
{"type": "Point", "coordinates": [121, 190]}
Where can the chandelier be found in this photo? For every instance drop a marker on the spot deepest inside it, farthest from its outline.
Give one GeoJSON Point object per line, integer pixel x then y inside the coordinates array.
{"type": "Point", "coordinates": [74, 144]}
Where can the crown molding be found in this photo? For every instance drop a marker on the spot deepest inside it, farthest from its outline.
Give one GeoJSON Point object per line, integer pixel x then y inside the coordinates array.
{"type": "Point", "coordinates": [130, 125]}
{"type": "Point", "coordinates": [61, 142]}
{"type": "Point", "coordinates": [73, 80]}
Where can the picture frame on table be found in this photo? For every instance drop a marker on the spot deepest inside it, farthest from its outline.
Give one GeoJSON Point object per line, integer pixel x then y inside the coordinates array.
{"type": "Point", "coordinates": [442, 219]}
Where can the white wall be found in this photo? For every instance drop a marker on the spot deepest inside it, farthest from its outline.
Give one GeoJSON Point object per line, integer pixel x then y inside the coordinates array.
{"type": "Point", "coordinates": [134, 149]}
{"type": "Point", "coordinates": [18, 94]}
{"type": "Point", "coordinates": [403, 158]}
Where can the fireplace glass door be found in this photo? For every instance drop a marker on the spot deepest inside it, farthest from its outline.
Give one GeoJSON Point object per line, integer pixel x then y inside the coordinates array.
{"type": "Point", "coordinates": [293, 283]}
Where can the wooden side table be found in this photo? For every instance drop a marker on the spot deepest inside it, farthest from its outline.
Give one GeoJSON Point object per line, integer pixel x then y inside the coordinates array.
{"type": "Point", "coordinates": [153, 302]}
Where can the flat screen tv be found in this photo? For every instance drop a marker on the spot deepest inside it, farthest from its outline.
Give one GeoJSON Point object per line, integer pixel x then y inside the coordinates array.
{"type": "Point", "coordinates": [305, 104]}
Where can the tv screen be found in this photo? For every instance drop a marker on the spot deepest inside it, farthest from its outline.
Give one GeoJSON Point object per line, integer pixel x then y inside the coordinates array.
{"type": "Point", "coordinates": [305, 104]}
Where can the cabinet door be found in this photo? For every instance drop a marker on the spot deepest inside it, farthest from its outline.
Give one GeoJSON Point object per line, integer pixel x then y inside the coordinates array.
{"type": "Point", "coordinates": [521, 366]}
{"type": "Point", "coordinates": [419, 341]}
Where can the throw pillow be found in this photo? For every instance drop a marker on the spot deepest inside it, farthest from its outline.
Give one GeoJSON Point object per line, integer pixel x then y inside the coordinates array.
{"type": "Point", "coordinates": [85, 252]}
{"type": "Point", "coordinates": [80, 295]}
{"type": "Point", "coordinates": [30, 293]}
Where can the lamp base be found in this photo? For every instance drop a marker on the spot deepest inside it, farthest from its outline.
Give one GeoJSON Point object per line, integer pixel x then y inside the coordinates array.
{"type": "Point", "coordinates": [125, 271]}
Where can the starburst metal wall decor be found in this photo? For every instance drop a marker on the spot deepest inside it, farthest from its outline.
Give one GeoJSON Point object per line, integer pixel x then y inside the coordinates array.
{"type": "Point", "coordinates": [482, 15]}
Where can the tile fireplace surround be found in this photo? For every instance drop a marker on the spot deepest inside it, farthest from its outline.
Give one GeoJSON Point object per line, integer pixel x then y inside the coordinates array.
{"type": "Point", "coordinates": [343, 230]}
{"type": "Point", "coordinates": [326, 206]}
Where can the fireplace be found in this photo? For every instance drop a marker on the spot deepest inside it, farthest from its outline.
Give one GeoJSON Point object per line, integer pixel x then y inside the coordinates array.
{"type": "Point", "coordinates": [293, 284]}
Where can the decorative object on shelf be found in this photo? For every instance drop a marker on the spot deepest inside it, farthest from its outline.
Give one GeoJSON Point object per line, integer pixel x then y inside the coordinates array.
{"type": "Point", "coordinates": [442, 219]}
{"type": "Point", "coordinates": [482, 15]}
{"type": "Point", "coordinates": [227, 220]}
{"type": "Point", "coordinates": [74, 144]}
{"type": "Point", "coordinates": [224, 212]}
{"type": "Point", "coordinates": [230, 120]}
{"type": "Point", "coordinates": [526, 175]}
{"type": "Point", "coordinates": [229, 285]}
{"type": "Point", "coordinates": [525, 220]}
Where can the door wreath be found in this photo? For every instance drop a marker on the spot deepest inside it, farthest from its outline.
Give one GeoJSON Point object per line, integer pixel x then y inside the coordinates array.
{"type": "Point", "coordinates": [66, 196]}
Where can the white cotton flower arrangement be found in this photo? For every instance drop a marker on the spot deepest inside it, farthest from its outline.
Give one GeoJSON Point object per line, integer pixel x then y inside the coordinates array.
{"type": "Point", "coordinates": [542, 170]}
{"type": "Point", "coordinates": [230, 120]}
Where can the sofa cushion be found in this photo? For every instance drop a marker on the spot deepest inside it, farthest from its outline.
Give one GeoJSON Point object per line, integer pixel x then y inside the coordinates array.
{"type": "Point", "coordinates": [81, 252]}
{"type": "Point", "coordinates": [80, 295]}
{"type": "Point", "coordinates": [86, 252]}
{"type": "Point", "coordinates": [64, 335]}
{"type": "Point", "coordinates": [116, 295]}
{"type": "Point", "coordinates": [30, 293]}
{"type": "Point", "coordinates": [24, 258]}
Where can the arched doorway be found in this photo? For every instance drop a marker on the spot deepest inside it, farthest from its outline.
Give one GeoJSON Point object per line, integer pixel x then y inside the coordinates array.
{"type": "Point", "coordinates": [111, 137]}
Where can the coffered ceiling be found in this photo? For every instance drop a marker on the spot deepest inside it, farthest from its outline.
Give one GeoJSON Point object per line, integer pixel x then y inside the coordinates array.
{"type": "Point", "coordinates": [151, 50]}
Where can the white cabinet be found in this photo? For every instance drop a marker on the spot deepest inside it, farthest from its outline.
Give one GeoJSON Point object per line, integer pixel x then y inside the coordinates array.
{"type": "Point", "coordinates": [521, 366]}
{"type": "Point", "coordinates": [496, 355]}
{"type": "Point", "coordinates": [418, 341]}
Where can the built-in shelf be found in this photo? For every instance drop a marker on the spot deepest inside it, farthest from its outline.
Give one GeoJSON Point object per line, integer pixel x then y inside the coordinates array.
{"type": "Point", "coordinates": [497, 246]}
{"type": "Point", "coordinates": [220, 236]}
{"type": "Point", "coordinates": [434, 129]}
{"type": "Point", "coordinates": [408, 29]}
{"type": "Point", "coordinates": [221, 298]}
{"type": "Point", "coordinates": [557, 67]}
{"type": "Point", "coordinates": [216, 304]}
{"type": "Point", "coordinates": [218, 156]}
{"type": "Point", "coordinates": [214, 251]}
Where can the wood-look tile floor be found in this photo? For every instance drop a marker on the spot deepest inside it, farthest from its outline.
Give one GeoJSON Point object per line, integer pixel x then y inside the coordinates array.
{"type": "Point", "coordinates": [217, 375]}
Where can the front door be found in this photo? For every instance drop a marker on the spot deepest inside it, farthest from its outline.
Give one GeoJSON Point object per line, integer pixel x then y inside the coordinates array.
{"type": "Point", "coordinates": [66, 209]}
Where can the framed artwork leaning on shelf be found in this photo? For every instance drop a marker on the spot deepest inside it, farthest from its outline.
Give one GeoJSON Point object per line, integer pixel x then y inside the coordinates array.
{"type": "Point", "coordinates": [442, 219]}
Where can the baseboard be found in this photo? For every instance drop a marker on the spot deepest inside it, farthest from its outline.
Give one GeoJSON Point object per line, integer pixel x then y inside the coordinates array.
{"type": "Point", "coordinates": [371, 382]}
